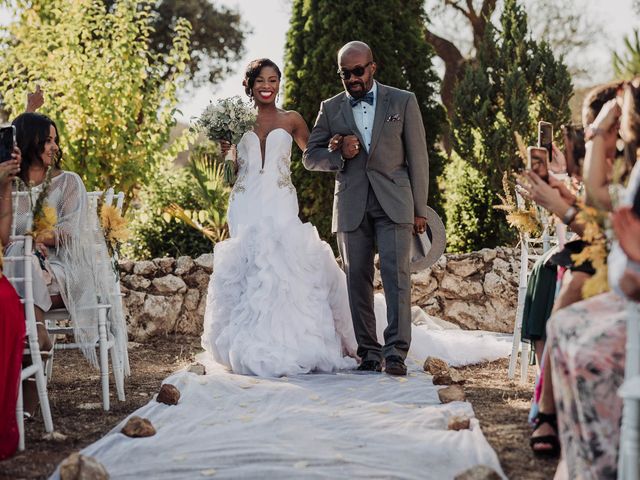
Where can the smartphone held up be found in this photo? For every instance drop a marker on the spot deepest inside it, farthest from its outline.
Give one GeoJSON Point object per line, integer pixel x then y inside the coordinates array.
{"type": "Point", "coordinates": [545, 137]}
{"type": "Point", "coordinates": [538, 162]}
{"type": "Point", "coordinates": [7, 142]}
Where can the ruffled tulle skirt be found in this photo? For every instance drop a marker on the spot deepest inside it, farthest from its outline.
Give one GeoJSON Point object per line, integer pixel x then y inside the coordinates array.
{"type": "Point", "coordinates": [277, 303]}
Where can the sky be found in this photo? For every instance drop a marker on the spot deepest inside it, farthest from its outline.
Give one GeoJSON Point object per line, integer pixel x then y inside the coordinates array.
{"type": "Point", "coordinates": [269, 21]}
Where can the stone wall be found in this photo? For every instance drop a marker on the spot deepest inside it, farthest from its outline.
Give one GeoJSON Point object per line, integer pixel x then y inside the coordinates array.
{"type": "Point", "coordinates": [165, 295]}
{"type": "Point", "coordinates": [476, 291]}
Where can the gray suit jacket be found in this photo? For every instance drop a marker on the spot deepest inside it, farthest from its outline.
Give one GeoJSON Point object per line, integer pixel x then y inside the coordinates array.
{"type": "Point", "coordinates": [396, 166]}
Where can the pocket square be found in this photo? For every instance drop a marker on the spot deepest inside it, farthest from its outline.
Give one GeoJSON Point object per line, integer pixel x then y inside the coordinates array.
{"type": "Point", "coordinates": [393, 118]}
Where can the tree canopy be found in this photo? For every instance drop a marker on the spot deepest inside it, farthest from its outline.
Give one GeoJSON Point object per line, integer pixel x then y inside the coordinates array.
{"type": "Point", "coordinates": [112, 97]}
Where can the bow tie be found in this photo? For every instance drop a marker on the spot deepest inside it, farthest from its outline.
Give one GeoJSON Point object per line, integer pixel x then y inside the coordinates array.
{"type": "Point", "coordinates": [368, 97]}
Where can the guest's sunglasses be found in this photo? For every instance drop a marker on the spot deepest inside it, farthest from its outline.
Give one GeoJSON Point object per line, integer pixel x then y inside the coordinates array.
{"type": "Point", "coordinates": [345, 73]}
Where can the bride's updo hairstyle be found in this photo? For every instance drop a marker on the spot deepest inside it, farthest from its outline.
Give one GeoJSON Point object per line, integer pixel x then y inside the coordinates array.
{"type": "Point", "coordinates": [253, 70]}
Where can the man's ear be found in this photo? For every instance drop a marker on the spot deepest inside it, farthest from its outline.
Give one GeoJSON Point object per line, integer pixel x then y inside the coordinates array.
{"type": "Point", "coordinates": [374, 67]}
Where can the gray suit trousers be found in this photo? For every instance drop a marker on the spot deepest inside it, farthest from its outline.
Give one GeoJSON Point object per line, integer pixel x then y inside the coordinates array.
{"type": "Point", "coordinates": [357, 249]}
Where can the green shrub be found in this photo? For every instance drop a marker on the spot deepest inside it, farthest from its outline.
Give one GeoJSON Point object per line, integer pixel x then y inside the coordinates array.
{"type": "Point", "coordinates": [199, 192]}
{"type": "Point", "coordinates": [155, 234]}
{"type": "Point", "coordinates": [471, 220]}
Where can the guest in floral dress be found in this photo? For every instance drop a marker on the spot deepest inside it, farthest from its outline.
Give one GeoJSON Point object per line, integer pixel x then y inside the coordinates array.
{"type": "Point", "coordinates": [587, 339]}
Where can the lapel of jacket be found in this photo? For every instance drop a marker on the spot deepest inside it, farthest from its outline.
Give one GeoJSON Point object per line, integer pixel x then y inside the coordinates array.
{"type": "Point", "coordinates": [347, 113]}
{"type": "Point", "coordinates": [382, 105]}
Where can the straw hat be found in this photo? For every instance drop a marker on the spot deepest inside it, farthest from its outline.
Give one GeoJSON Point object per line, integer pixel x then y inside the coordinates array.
{"type": "Point", "coordinates": [428, 247]}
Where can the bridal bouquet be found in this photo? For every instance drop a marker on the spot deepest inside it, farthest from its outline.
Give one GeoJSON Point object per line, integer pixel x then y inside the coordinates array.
{"type": "Point", "coordinates": [228, 119]}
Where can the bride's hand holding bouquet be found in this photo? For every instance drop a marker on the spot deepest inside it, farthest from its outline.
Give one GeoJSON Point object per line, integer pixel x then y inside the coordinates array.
{"type": "Point", "coordinates": [226, 121]}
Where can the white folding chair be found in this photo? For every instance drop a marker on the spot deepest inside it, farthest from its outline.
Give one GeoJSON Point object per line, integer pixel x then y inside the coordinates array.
{"type": "Point", "coordinates": [530, 249]}
{"type": "Point", "coordinates": [105, 339]}
{"type": "Point", "coordinates": [629, 451]}
{"type": "Point", "coordinates": [36, 369]}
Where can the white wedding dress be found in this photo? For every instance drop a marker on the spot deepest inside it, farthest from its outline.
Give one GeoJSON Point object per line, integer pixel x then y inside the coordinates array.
{"type": "Point", "coordinates": [277, 302]}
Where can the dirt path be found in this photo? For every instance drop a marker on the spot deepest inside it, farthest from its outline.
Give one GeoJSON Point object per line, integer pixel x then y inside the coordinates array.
{"type": "Point", "coordinates": [500, 405]}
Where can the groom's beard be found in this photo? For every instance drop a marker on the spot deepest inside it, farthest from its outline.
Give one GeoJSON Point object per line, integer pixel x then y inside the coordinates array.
{"type": "Point", "coordinates": [356, 93]}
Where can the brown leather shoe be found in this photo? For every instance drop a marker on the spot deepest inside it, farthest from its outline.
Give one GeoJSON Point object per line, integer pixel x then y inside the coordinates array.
{"type": "Point", "coordinates": [394, 365]}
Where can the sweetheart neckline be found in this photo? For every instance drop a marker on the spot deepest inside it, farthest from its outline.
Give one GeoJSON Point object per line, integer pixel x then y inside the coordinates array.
{"type": "Point", "coordinates": [270, 132]}
{"type": "Point", "coordinates": [263, 157]}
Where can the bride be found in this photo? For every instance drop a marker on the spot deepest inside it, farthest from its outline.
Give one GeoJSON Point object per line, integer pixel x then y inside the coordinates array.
{"type": "Point", "coordinates": [277, 301]}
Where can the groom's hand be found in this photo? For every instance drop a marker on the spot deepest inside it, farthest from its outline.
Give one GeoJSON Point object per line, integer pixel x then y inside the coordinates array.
{"type": "Point", "coordinates": [419, 225]}
{"type": "Point", "coordinates": [350, 146]}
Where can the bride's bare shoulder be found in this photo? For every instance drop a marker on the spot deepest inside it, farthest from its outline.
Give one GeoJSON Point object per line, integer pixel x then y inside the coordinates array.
{"type": "Point", "coordinates": [293, 118]}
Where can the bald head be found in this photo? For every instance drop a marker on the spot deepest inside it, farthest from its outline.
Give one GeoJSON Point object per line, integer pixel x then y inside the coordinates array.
{"type": "Point", "coordinates": [356, 68]}
{"type": "Point", "coordinates": [357, 48]}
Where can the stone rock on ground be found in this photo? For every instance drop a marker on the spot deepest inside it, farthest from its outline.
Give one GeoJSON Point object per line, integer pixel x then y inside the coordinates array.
{"type": "Point", "coordinates": [458, 423]}
{"type": "Point", "coordinates": [436, 366]}
{"type": "Point", "coordinates": [169, 394]}
{"type": "Point", "coordinates": [479, 472]}
{"type": "Point", "coordinates": [453, 377]}
{"type": "Point", "coordinates": [81, 467]}
{"type": "Point", "coordinates": [138, 427]}
{"type": "Point", "coordinates": [454, 393]}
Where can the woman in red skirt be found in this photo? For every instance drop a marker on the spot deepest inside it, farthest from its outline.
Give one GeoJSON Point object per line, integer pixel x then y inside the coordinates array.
{"type": "Point", "coordinates": [12, 324]}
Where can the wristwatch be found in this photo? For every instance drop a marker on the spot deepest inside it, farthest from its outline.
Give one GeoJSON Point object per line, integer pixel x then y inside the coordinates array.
{"type": "Point", "coordinates": [592, 131]}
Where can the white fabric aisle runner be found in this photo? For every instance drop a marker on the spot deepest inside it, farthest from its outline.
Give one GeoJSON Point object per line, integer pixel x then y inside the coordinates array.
{"type": "Point", "coordinates": [346, 425]}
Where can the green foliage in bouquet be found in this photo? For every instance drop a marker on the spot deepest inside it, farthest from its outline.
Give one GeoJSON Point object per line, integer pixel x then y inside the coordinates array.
{"type": "Point", "coordinates": [515, 83]}
{"type": "Point", "coordinates": [198, 196]}
{"type": "Point", "coordinates": [228, 119]}
{"type": "Point", "coordinates": [112, 97]}
{"type": "Point", "coordinates": [394, 29]}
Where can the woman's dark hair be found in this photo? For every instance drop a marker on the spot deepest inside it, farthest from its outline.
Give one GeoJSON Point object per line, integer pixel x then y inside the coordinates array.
{"type": "Point", "coordinates": [253, 70]}
{"type": "Point", "coordinates": [32, 130]}
{"type": "Point", "coordinates": [630, 120]}
{"type": "Point", "coordinates": [596, 98]}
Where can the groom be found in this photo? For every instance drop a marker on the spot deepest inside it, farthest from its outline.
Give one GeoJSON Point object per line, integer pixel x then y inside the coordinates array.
{"type": "Point", "coordinates": [377, 147]}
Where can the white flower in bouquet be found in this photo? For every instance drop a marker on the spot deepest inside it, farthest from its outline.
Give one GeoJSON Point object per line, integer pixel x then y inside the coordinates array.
{"type": "Point", "coordinates": [228, 119]}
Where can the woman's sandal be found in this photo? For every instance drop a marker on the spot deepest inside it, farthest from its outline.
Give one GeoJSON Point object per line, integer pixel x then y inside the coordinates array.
{"type": "Point", "coordinates": [552, 440]}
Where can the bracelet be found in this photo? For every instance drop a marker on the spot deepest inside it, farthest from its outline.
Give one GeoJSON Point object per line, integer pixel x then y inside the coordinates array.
{"type": "Point", "coordinates": [570, 215]}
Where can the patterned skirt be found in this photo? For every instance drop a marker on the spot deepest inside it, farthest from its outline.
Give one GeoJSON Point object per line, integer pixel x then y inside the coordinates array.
{"type": "Point", "coordinates": [587, 341]}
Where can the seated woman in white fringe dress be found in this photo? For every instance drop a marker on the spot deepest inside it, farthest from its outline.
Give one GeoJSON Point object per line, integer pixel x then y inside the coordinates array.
{"type": "Point", "coordinates": [277, 302]}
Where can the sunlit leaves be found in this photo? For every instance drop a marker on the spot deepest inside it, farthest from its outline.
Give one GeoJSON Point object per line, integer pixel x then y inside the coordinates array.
{"type": "Point", "coordinates": [113, 100]}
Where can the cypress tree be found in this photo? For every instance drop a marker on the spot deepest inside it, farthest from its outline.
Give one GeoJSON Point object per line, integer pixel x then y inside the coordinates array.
{"type": "Point", "coordinates": [394, 29]}
{"type": "Point", "coordinates": [514, 83]}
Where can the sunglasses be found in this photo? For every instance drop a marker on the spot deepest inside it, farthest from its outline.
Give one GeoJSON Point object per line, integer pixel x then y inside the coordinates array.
{"type": "Point", "coordinates": [345, 73]}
